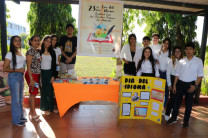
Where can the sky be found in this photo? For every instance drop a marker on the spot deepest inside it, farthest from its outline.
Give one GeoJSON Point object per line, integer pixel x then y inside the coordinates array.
{"type": "Point", "coordinates": [18, 15]}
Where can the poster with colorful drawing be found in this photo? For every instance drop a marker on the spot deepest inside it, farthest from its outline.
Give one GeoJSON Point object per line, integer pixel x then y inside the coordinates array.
{"type": "Point", "coordinates": [100, 28]}
{"type": "Point", "coordinates": [141, 98]}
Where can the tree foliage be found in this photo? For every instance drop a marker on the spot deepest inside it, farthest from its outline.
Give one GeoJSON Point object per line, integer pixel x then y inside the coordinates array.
{"type": "Point", "coordinates": [49, 18]}
{"type": "Point", "coordinates": [24, 39]}
{"type": "Point", "coordinates": [129, 17]}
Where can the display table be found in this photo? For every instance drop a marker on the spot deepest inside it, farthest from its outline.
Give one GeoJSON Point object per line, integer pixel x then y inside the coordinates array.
{"type": "Point", "coordinates": [70, 92]}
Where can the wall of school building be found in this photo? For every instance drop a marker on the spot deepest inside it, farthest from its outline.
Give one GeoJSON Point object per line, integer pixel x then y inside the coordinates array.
{"type": "Point", "coordinates": [14, 29]}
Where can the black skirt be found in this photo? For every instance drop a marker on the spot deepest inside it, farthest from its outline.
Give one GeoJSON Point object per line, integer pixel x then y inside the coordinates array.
{"type": "Point", "coordinates": [130, 67]}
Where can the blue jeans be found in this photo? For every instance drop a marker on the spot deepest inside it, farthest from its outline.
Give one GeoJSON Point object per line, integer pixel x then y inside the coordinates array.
{"type": "Point", "coordinates": [163, 76]}
{"type": "Point", "coordinates": [16, 86]}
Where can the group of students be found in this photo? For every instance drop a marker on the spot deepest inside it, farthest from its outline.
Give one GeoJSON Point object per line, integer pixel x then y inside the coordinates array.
{"type": "Point", "coordinates": [42, 61]}
{"type": "Point", "coordinates": [182, 74]}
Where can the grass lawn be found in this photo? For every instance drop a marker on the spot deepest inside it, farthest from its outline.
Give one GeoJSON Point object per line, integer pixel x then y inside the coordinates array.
{"type": "Point", "coordinates": [206, 71]}
{"type": "Point", "coordinates": [94, 66]}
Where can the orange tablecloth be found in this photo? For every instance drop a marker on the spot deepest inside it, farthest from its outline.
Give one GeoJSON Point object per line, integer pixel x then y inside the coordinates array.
{"type": "Point", "coordinates": [68, 94]}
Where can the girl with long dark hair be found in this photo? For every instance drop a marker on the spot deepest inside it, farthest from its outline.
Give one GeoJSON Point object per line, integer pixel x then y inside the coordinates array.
{"type": "Point", "coordinates": [147, 65]}
{"type": "Point", "coordinates": [14, 63]}
{"type": "Point", "coordinates": [127, 55]}
{"type": "Point", "coordinates": [163, 58]}
{"type": "Point", "coordinates": [32, 75]}
{"type": "Point", "coordinates": [171, 69]}
{"type": "Point", "coordinates": [57, 51]}
{"type": "Point", "coordinates": [48, 75]}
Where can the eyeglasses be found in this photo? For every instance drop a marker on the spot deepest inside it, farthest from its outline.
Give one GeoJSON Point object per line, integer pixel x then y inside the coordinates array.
{"type": "Point", "coordinates": [177, 51]}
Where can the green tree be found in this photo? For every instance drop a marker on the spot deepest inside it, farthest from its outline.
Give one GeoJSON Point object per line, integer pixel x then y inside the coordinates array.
{"type": "Point", "coordinates": [129, 18]}
{"type": "Point", "coordinates": [24, 39]}
{"type": "Point", "coordinates": [49, 18]}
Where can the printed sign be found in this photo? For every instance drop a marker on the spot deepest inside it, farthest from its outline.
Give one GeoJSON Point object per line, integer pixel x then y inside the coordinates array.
{"type": "Point", "coordinates": [100, 28]}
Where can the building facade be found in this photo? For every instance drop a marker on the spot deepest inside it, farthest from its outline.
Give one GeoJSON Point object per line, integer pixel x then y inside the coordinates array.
{"type": "Point", "coordinates": [14, 29]}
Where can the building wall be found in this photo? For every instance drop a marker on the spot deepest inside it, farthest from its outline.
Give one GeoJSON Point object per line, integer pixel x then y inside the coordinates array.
{"type": "Point", "coordinates": [14, 29]}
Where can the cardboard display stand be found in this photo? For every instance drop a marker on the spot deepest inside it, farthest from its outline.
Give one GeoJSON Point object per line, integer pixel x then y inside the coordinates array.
{"type": "Point", "coordinates": [141, 98]}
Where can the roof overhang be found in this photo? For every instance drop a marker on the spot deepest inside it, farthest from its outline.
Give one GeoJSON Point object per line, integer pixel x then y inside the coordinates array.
{"type": "Point", "coordinates": [193, 7]}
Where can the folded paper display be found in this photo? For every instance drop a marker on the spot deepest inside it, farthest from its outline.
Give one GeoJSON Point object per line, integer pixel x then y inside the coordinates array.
{"type": "Point", "coordinates": [71, 71]}
{"type": "Point", "coordinates": [71, 74]}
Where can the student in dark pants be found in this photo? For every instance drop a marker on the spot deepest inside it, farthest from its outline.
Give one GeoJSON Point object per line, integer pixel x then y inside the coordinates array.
{"type": "Point", "coordinates": [171, 69]}
{"type": "Point", "coordinates": [163, 56]}
{"type": "Point", "coordinates": [48, 74]}
{"type": "Point", "coordinates": [189, 74]}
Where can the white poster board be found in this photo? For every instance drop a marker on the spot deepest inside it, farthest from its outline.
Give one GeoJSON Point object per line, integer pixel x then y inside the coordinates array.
{"type": "Point", "coordinates": [100, 28]}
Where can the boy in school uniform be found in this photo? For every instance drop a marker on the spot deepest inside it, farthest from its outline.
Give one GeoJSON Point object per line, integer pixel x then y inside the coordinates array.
{"type": "Point", "coordinates": [189, 74]}
{"type": "Point", "coordinates": [146, 42]}
{"type": "Point", "coordinates": [155, 43]}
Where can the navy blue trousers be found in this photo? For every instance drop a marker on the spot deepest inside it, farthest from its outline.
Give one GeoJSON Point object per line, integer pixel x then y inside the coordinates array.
{"type": "Point", "coordinates": [182, 89]}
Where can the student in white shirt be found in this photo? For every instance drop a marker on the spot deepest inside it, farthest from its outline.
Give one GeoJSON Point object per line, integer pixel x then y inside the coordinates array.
{"type": "Point", "coordinates": [57, 51]}
{"type": "Point", "coordinates": [48, 74]}
{"type": "Point", "coordinates": [188, 75]}
{"type": "Point", "coordinates": [155, 46]}
{"type": "Point", "coordinates": [14, 63]}
{"type": "Point", "coordinates": [147, 65]}
{"type": "Point", "coordinates": [163, 57]}
{"type": "Point", "coordinates": [127, 55]}
{"type": "Point", "coordinates": [172, 64]}
{"type": "Point", "coordinates": [138, 54]}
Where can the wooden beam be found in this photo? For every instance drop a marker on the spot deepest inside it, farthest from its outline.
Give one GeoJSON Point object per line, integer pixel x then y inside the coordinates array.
{"type": "Point", "coordinates": [172, 3]}
{"type": "Point", "coordinates": [53, 1]}
{"type": "Point", "coordinates": [161, 2]}
{"type": "Point", "coordinates": [162, 10]}
{"type": "Point", "coordinates": [204, 37]}
{"type": "Point", "coordinates": [3, 28]}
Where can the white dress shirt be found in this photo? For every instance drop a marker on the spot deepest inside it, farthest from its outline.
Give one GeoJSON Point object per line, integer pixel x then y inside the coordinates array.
{"type": "Point", "coordinates": [138, 55]}
{"type": "Point", "coordinates": [126, 53]}
{"type": "Point", "coordinates": [155, 49]}
{"type": "Point", "coordinates": [146, 67]}
{"type": "Point", "coordinates": [163, 60]}
{"type": "Point", "coordinates": [189, 70]}
{"type": "Point", "coordinates": [171, 69]}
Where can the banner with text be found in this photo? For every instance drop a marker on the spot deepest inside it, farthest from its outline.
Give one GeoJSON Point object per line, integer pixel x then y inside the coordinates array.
{"type": "Point", "coordinates": [100, 28]}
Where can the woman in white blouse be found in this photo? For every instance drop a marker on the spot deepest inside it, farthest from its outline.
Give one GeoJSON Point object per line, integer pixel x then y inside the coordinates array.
{"type": "Point", "coordinates": [127, 55]}
{"type": "Point", "coordinates": [163, 58]}
{"type": "Point", "coordinates": [172, 64]}
{"type": "Point", "coordinates": [48, 74]}
{"type": "Point", "coordinates": [147, 65]}
{"type": "Point", "coordinates": [14, 63]}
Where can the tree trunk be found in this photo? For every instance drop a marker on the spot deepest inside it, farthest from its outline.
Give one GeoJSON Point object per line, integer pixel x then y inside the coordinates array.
{"type": "Point", "coordinates": [178, 36]}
